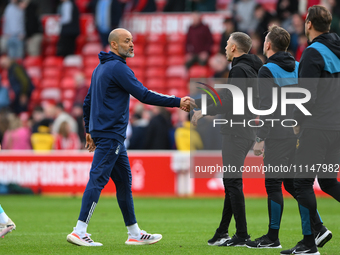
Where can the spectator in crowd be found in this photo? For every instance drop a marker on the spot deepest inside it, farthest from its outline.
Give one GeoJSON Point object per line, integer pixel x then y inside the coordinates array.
{"type": "Point", "coordinates": [14, 29]}
{"type": "Point", "coordinates": [60, 117]}
{"type": "Point", "coordinates": [107, 15]}
{"type": "Point", "coordinates": [144, 6]}
{"type": "Point", "coordinates": [3, 123]}
{"type": "Point", "coordinates": [157, 135]}
{"type": "Point", "coordinates": [286, 8]}
{"type": "Point", "coordinates": [20, 83]}
{"type": "Point", "coordinates": [199, 42]}
{"type": "Point", "coordinates": [201, 5]}
{"type": "Point", "coordinates": [65, 139]}
{"type": "Point", "coordinates": [302, 45]}
{"type": "Point", "coordinates": [139, 123]}
{"type": "Point", "coordinates": [70, 29]}
{"type": "Point", "coordinates": [244, 15]}
{"type": "Point", "coordinates": [334, 7]}
{"type": "Point", "coordinates": [37, 117]}
{"type": "Point", "coordinates": [77, 113]}
{"type": "Point", "coordinates": [228, 28]}
{"type": "Point", "coordinates": [17, 137]}
{"type": "Point", "coordinates": [81, 88]}
{"type": "Point", "coordinates": [33, 28]}
{"type": "Point", "coordinates": [4, 97]}
{"type": "Point", "coordinates": [174, 6]}
{"type": "Point", "coordinates": [187, 138]}
{"type": "Point", "coordinates": [42, 140]}
{"type": "Point", "coordinates": [298, 28]}
{"type": "Point", "coordinates": [262, 18]}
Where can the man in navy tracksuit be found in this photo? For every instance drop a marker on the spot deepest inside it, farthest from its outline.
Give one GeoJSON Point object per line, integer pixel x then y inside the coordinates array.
{"type": "Point", "coordinates": [280, 71]}
{"type": "Point", "coordinates": [319, 133]}
{"type": "Point", "coordinates": [106, 115]}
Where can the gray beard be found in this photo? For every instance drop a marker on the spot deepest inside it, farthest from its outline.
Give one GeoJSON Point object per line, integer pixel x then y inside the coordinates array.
{"type": "Point", "coordinates": [125, 54]}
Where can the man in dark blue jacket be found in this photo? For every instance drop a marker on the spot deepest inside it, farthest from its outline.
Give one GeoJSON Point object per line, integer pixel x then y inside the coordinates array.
{"type": "Point", "coordinates": [106, 115]}
{"type": "Point", "coordinates": [318, 146]}
{"type": "Point", "coordinates": [280, 71]}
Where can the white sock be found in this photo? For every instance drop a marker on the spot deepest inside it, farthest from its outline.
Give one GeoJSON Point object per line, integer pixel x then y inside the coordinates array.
{"type": "Point", "coordinates": [133, 229]}
{"type": "Point", "coordinates": [3, 218]}
{"type": "Point", "coordinates": [81, 228]}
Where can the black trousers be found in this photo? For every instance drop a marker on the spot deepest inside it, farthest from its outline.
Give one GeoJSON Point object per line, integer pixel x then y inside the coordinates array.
{"type": "Point", "coordinates": [316, 147]}
{"type": "Point", "coordinates": [280, 152]}
{"type": "Point", "coordinates": [234, 152]}
{"type": "Point", "coordinates": [66, 45]}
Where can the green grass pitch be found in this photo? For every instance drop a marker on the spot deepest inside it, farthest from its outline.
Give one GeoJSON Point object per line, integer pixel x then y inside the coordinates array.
{"type": "Point", "coordinates": [186, 224]}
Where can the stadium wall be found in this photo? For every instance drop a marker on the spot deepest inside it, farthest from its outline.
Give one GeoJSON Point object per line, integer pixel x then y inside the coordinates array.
{"type": "Point", "coordinates": [153, 173]}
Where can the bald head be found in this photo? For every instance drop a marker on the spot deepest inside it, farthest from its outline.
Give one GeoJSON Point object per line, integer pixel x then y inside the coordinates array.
{"type": "Point", "coordinates": [120, 41]}
{"type": "Point", "coordinates": [118, 33]}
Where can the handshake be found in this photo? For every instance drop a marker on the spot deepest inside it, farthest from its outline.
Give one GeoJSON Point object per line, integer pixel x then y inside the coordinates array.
{"type": "Point", "coordinates": [187, 103]}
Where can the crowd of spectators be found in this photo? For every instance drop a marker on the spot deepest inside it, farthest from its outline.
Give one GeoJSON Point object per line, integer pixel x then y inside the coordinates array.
{"type": "Point", "coordinates": [50, 126]}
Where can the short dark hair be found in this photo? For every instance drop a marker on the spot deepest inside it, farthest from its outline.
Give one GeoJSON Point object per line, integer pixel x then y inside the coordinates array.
{"type": "Point", "coordinates": [242, 40]}
{"type": "Point", "coordinates": [279, 38]}
{"type": "Point", "coordinates": [320, 17]}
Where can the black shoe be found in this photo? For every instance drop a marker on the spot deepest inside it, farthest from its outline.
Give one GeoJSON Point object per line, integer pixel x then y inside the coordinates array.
{"type": "Point", "coordinates": [264, 242]}
{"type": "Point", "coordinates": [219, 238]}
{"type": "Point", "coordinates": [236, 241]}
{"type": "Point", "coordinates": [301, 248]}
{"type": "Point", "coordinates": [323, 236]}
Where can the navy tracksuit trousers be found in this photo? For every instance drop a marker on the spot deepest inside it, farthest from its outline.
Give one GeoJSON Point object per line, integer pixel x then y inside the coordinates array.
{"type": "Point", "coordinates": [110, 160]}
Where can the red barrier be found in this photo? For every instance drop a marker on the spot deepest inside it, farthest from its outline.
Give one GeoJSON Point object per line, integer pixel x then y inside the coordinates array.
{"type": "Point", "coordinates": [68, 172]}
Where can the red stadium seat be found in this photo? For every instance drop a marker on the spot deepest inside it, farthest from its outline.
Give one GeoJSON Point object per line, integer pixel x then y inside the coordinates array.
{"type": "Point", "coordinates": [139, 39]}
{"type": "Point", "coordinates": [50, 50]}
{"type": "Point", "coordinates": [67, 83]}
{"type": "Point", "coordinates": [139, 73]}
{"type": "Point", "coordinates": [88, 72]}
{"type": "Point", "coordinates": [177, 92]}
{"type": "Point", "coordinates": [53, 61]}
{"type": "Point", "coordinates": [52, 73]}
{"type": "Point", "coordinates": [73, 61]}
{"type": "Point", "coordinates": [177, 83]}
{"type": "Point", "coordinates": [138, 50]}
{"type": "Point", "coordinates": [50, 94]}
{"type": "Point", "coordinates": [91, 61]}
{"type": "Point", "coordinates": [138, 61]}
{"type": "Point", "coordinates": [68, 94]}
{"type": "Point", "coordinates": [155, 84]}
{"type": "Point", "coordinates": [36, 82]}
{"type": "Point", "coordinates": [176, 38]}
{"type": "Point", "coordinates": [154, 49]}
{"type": "Point", "coordinates": [176, 71]}
{"type": "Point", "coordinates": [198, 72]}
{"type": "Point", "coordinates": [156, 38]}
{"type": "Point", "coordinates": [217, 38]}
{"type": "Point", "coordinates": [176, 60]}
{"type": "Point", "coordinates": [32, 61]}
{"type": "Point", "coordinates": [49, 83]}
{"type": "Point", "coordinates": [155, 72]}
{"type": "Point", "coordinates": [70, 71]}
{"type": "Point", "coordinates": [92, 49]}
{"type": "Point", "coordinates": [34, 71]}
{"type": "Point", "coordinates": [68, 104]}
{"type": "Point", "coordinates": [158, 61]}
{"type": "Point", "coordinates": [175, 49]}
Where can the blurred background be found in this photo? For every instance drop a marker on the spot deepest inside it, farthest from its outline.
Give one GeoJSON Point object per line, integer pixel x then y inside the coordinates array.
{"type": "Point", "coordinates": [49, 50]}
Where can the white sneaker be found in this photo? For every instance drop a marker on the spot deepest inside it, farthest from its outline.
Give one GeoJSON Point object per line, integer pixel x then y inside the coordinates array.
{"type": "Point", "coordinates": [9, 223]}
{"type": "Point", "coordinates": [143, 238]}
{"type": "Point", "coordinates": [6, 231]}
{"type": "Point", "coordinates": [85, 240]}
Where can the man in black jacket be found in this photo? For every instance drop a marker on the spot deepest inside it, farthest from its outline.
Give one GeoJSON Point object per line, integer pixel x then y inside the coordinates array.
{"type": "Point", "coordinates": [318, 147]}
{"type": "Point", "coordinates": [237, 139]}
{"type": "Point", "coordinates": [280, 71]}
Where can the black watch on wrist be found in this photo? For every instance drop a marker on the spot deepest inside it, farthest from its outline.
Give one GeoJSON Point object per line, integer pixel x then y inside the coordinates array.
{"type": "Point", "coordinates": [258, 139]}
